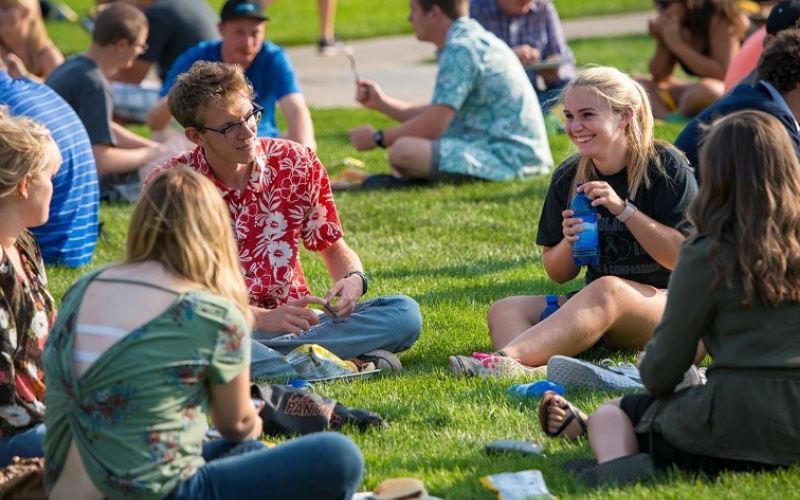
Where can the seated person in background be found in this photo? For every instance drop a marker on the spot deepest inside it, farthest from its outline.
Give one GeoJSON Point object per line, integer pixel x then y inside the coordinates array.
{"type": "Point", "coordinates": [739, 294]}
{"type": "Point", "coordinates": [266, 66]}
{"type": "Point", "coordinates": [69, 236]}
{"type": "Point", "coordinates": [30, 158]}
{"type": "Point", "coordinates": [777, 93]}
{"type": "Point", "coordinates": [118, 427]}
{"type": "Point", "coordinates": [785, 15]}
{"type": "Point", "coordinates": [118, 38]}
{"type": "Point", "coordinates": [641, 188]}
{"type": "Point", "coordinates": [702, 36]}
{"type": "Point", "coordinates": [24, 45]}
{"type": "Point", "coordinates": [484, 120]}
{"type": "Point", "coordinates": [175, 26]}
{"type": "Point", "coordinates": [278, 194]}
{"type": "Point", "coordinates": [533, 31]}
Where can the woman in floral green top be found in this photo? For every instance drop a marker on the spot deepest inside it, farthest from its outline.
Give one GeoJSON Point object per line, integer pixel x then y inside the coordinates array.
{"type": "Point", "coordinates": [145, 351]}
{"type": "Point", "coordinates": [29, 158]}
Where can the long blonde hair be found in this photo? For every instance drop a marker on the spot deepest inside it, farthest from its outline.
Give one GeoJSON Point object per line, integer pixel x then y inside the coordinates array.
{"type": "Point", "coordinates": [26, 148]}
{"type": "Point", "coordinates": [37, 40]}
{"type": "Point", "coordinates": [182, 222]}
{"type": "Point", "coordinates": [621, 92]}
{"type": "Point", "coordinates": [749, 206]}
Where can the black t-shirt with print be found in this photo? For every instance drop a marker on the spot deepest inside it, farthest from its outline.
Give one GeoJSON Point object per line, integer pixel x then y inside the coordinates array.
{"type": "Point", "coordinates": [666, 202]}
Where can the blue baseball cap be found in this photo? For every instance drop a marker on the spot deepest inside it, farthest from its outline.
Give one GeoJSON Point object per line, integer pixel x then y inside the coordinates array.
{"type": "Point", "coordinates": [236, 9]}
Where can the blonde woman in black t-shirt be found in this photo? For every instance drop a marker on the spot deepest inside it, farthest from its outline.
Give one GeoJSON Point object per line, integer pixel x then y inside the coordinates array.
{"type": "Point", "coordinates": [641, 188]}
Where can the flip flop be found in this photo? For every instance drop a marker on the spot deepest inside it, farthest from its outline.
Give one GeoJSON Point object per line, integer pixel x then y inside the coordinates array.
{"type": "Point", "coordinates": [572, 414]}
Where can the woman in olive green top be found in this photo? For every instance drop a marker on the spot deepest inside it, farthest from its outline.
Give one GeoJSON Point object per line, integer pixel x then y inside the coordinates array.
{"type": "Point", "coordinates": [144, 351]}
{"type": "Point", "coordinates": [736, 286]}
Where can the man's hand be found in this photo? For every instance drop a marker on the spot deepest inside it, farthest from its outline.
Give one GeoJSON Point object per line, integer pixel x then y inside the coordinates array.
{"type": "Point", "coordinates": [526, 54]}
{"type": "Point", "coordinates": [363, 137]}
{"type": "Point", "coordinates": [294, 317]}
{"type": "Point", "coordinates": [368, 93]}
{"type": "Point", "coordinates": [348, 290]}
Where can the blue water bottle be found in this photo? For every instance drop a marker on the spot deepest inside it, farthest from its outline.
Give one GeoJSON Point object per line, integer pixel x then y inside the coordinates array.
{"type": "Point", "coordinates": [551, 307]}
{"type": "Point", "coordinates": [585, 251]}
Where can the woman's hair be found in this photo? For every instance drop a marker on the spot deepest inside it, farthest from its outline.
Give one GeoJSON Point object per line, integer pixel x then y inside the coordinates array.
{"type": "Point", "coordinates": [621, 92]}
{"type": "Point", "coordinates": [700, 12]}
{"type": "Point", "coordinates": [182, 222]}
{"type": "Point", "coordinates": [37, 39]}
{"type": "Point", "coordinates": [26, 148]}
{"type": "Point", "coordinates": [749, 205]}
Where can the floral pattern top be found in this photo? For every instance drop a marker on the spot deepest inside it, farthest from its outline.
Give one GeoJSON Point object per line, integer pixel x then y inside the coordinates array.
{"type": "Point", "coordinates": [498, 132]}
{"type": "Point", "coordinates": [288, 198]}
{"type": "Point", "coordinates": [27, 312]}
{"type": "Point", "coordinates": [139, 414]}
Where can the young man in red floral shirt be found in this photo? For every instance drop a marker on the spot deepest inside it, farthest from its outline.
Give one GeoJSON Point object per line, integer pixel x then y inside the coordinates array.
{"type": "Point", "coordinates": [278, 193]}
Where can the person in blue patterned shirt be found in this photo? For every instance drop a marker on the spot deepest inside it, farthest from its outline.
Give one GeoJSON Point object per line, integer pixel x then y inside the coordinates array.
{"type": "Point", "coordinates": [484, 120]}
{"type": "Point", "coordinates": [533, 31]}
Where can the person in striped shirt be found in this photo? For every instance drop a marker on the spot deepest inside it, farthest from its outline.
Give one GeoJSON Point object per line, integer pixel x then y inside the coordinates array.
{"type": "Point", "coordinates": [70, 235]}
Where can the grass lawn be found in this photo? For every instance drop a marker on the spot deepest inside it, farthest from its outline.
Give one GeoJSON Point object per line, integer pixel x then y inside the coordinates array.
{"type": "Point", "coordinates": [456, 250]}
{"type": "Point", "coordinates": [295, 21]}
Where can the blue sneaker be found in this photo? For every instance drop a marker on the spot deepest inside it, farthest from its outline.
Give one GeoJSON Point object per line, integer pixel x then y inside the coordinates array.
{"type": "Point", "coordinates": [578, 374]}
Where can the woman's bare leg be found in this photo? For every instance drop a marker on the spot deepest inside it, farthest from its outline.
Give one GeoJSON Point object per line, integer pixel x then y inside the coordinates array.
{"type": "Point", "coordinates": [700, 95]}
{"type": "Point", "coordinates": [327, 18]}
{"type": "Point", "coordinates": [611, 433]}
{"type": "Point", "coordinates": [624, 312]}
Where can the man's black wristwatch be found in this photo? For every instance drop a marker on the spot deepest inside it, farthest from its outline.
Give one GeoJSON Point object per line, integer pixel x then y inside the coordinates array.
{"type": "Point", "coordinates": [364, 281]}
{"type": "Point", "coordinates": [378, 138]}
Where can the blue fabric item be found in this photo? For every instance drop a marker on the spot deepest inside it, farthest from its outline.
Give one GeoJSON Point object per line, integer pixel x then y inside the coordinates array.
{"type": "Point", "coordinates": [271, 74]}
{"type": "Point", "coordinates": [323, 466]}
{"type": "Point", "coordinates": [743, 97]}
{"type": "Point", "coordinates": [392, 323]}
{"type": "Point", "coordinates": [70, 235]}
{"type": "Point", "coordinates": [26, 444]}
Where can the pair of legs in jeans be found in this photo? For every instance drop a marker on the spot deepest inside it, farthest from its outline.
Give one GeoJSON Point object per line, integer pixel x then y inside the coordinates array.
{"type": "Point", "coordinates": [392, 323]}
{"type": "Point", "coordinates": [26, 444]}
{"type": "Point", "coordinates": [323, 466]}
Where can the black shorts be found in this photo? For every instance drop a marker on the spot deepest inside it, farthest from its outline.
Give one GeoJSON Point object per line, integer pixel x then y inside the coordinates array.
{"type": "Point", "coordinates": [665, 455]}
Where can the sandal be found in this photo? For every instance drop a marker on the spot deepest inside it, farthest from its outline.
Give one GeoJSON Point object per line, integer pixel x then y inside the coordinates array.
{"type": "Point", "coordinates": [572, 413]}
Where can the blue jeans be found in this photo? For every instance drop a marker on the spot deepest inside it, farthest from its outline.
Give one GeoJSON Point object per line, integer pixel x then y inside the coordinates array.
{"type": "Point", "coordinates": [392, 323]}
{"type": "Point", "coordinates": [26, 444]}
{"type": "Point", "coordinates": [322, 466]}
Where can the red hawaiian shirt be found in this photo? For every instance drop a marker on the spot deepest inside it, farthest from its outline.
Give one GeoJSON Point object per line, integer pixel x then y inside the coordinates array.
{"type": "Point", "coordinates": [287, 198]}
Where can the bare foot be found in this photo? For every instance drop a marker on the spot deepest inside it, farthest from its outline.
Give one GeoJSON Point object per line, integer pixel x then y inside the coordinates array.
{"type": "Point", "coordinates": [559, 418]}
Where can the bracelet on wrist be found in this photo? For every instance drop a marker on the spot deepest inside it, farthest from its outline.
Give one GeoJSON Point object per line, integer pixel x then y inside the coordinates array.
{"type": "Point", "coordinates": [364, 281]}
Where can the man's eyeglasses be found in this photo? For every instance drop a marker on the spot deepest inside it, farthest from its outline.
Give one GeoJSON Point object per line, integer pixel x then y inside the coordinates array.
{"type": "Point", "coordinates": [234, 129]}
{"type": "Point", "coordinates": [664, 4]}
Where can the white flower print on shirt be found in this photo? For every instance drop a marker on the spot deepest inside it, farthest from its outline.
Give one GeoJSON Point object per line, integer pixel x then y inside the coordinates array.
{"type": "Point", "coordinates": [15, 415]}
{"type": "Point", "coordinates": [39, 325]}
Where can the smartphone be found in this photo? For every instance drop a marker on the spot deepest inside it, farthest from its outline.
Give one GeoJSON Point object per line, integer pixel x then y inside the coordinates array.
{"type": "Point", "coordinates": [525, 448]}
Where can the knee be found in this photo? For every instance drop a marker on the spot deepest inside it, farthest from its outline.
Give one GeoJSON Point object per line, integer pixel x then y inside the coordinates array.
{"type": "Point", "coordinates": [408, 318]}
{"type": "Point", "coordinates": [341, 458]}
{"type": "Point", "coordinates": [607, 292]}
{"type": "Point", "coordinates": [496, 313]}
{"type": "Point", "coordinates": [605, 413]}
{"type": "Point", "coordinates": [401, 153]}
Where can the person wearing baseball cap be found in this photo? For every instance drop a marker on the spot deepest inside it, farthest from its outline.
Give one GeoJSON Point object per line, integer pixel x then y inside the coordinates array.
{"type": "Point", "coordinates": [785, 15]}
{"type": "Point", "coordinates": [267, 67]}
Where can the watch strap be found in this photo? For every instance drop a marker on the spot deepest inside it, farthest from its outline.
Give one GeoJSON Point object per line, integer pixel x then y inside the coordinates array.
{"type": "Point", "coordinates": [627, 213]}
{"type": "Point", "coordinates": [378, 138]}
{"type": "Point", "coordinates": [364, 281]}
